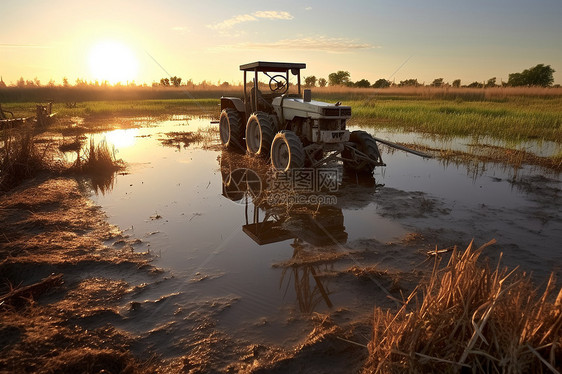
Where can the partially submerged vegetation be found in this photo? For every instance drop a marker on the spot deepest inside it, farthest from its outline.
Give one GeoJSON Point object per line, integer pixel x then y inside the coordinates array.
{"type": "Point", "coordinates": [481, 154]}
{"type": "Point", "coordinates": [24, 154]}
{"type": "Point", "coordinates": [517, 120]}
{"type": "Point", "coordinates": [470, 316]}
{"type": "Point", "coordinates": [98, 159]}
{"type": "Point", "coordinates": [21, 157]}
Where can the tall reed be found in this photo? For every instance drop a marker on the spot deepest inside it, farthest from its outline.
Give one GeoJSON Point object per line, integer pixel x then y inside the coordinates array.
{"type": "Point", "coordinates": [471, 318]}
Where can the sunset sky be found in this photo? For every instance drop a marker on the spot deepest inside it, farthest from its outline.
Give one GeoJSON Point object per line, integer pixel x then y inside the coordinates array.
{"type": "Point", "coordinates": [208, 40]}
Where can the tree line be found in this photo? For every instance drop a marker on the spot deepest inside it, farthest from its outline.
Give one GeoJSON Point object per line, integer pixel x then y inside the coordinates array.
{"type": "Point", "coordinates": [539, 75]}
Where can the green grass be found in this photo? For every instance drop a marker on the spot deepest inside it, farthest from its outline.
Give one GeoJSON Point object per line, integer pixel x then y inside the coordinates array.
{"type": "Point", "coordinates": [122, 108]}
{"type": "Point", "coordinates": [516, 119]}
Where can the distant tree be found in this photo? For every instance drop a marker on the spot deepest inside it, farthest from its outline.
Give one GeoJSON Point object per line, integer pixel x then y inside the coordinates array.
{"type": "Point", "coordinates": [20, 82]}
{"type": "Point", "coordinates": [409, 83]}
{"type": "Point", "coordinates": [2, 84]}
{"type": "Point", "coordinates": [475, 85]}
{"type": "Point", "coordinates": [457, 83]}
{"type": "Point", "coordinates": [51, 83]}
{"type": "Point", "coordinates": [165, 82]}
{"type": "Point", "coordinates": [65, 82]}
{"type": "Point", "coordinates": [341, 78]}
{"type": "Point", "coordinates": [437, 82]}
{"type": "Point", "coordinates": [176, 81]}
{"type": "Point", "coordinates": [491, 82]}
{"type": "Point", "coordinates": [540, 75]}
{"type": "Point", "coordinates": [363, 83]}
{"type": "Point", "coordinates": [381, 83]}
{"type": "Point", "coordinates": [322, 82]}
{"type": "Point", "coordinates": [310, 81]}
{"type": "Point", "coordinates": [225, 84]}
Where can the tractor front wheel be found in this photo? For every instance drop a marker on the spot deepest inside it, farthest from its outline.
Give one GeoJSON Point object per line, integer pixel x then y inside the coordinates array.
{"type": "Point", "coordinates": [231, 129]}
{"type": "Point", "coordinates": [367, 147]}
{"type": "Point", "coordinates": [287, 151]}
{"type": "Point", "coordinates": [259, 134]}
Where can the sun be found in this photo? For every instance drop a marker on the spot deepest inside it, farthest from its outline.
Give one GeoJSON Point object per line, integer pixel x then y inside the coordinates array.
{"type": "Point", "coordinates": [113, 62]}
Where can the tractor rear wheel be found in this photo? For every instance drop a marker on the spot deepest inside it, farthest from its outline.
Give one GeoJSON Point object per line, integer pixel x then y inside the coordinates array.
{"type": "Point", "coordinates": [259, 134]}
{"type": "Point", "coordinates": [287, 151]}
{"type": "Point", "coordinates": [231, 129]}
{"type": "Point", "coordinates": [364, 143]}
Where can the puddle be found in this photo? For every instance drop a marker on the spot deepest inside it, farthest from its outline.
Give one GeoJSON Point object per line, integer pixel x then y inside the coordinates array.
{"type": "Point", "coordinates": [255, 263]}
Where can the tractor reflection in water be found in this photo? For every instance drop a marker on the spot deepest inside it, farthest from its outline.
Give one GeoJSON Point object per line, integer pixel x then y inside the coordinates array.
{"type": "Point", "coordinates": [278, 207]}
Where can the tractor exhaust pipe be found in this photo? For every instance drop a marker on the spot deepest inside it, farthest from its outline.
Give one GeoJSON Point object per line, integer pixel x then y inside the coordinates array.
{"type": "Point", "coordinates": [307, 96]}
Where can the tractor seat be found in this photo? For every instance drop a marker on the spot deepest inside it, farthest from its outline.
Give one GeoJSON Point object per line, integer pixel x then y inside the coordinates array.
{"type": "Point", "coordinates": [263, 104]}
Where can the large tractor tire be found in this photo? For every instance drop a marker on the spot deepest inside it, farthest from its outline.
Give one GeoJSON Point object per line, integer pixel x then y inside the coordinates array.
{"type": "Point", "coordinates": [260, 131]}
{"type": "Point", "coordinates": [287, 151]}
{"type": "Point", "coordinates": [231, 129]}
{"type": "Point", "coordinates": [363, 142]}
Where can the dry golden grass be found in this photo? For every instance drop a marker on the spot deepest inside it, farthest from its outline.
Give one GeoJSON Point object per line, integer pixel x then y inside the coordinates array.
{"type": "Point", "coordinates": [22, 156]}
{"type": "Point", "coordinates": [491, 93]}
{"type": "Point", "coordinates": [471, 318]}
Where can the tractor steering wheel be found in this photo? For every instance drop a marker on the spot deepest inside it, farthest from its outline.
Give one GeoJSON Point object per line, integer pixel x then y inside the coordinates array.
{"type": "Point", "coordinates": [278, 84]}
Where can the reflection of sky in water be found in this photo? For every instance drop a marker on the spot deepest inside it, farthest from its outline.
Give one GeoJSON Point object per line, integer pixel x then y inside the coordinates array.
{"type": "Point", "coordinates": [200, 231]}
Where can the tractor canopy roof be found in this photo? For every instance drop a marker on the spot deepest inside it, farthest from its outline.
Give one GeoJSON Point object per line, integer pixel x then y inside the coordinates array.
{"type": "Point", "coordinates": [278, 67]}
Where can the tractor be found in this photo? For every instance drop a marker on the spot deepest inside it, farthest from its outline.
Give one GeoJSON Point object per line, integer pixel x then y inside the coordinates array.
{"type": "Point", "coordinates": [292, 130]}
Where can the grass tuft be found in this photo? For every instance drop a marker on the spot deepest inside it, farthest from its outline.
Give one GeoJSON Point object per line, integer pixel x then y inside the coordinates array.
{"type": "Point", "coordinates": [100, 164]}
{"type": "Point", "coordinates": [21, 156]}
{"type": "Point", "coordinates": [471, 318]}
{"type": "Point", "coordinates": [98, 159]}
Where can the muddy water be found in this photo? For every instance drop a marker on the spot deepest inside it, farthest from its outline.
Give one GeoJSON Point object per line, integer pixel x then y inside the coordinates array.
{"type": "Point", "coordinates": [256, 267]}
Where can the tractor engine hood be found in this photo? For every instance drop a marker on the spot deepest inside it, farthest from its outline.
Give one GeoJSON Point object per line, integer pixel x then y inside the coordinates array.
{"type": "Point", "coordinates": [289, 108]}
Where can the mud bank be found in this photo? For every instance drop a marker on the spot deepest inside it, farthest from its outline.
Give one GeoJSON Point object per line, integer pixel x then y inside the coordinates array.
{"type": "Point", "coordinates": [49, 227]}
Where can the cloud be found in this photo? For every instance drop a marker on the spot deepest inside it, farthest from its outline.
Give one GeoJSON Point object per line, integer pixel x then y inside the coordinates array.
{"type": "Point", "coordinates": [308, 8]}
{"type": "Point", "coordinates": [264, 14]}
{"type": "Point", "coordinates": [319, 43]}
{"type": "Point", "coordinates": [272, 14]}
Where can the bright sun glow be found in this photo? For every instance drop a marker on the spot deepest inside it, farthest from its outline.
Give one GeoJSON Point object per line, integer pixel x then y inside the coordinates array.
{"type": "Point", "coordinates": [113, 62]}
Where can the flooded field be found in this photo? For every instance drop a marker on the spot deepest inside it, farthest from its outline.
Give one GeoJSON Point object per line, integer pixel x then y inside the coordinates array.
{"type": "Point", "coordinates": [257, 266]}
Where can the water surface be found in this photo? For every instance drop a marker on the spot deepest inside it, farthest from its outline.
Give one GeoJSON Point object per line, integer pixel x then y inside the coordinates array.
{"type": "Point", "coordinates": [257, 267]}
